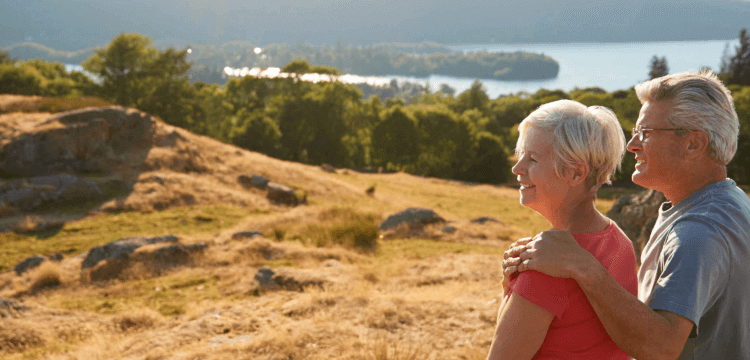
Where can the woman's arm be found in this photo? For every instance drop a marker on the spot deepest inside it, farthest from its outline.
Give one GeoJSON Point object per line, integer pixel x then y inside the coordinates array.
{"type": "Point", "coordinates": [521, 329]}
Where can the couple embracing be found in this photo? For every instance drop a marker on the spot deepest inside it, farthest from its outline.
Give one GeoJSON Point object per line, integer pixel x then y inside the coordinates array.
{"type": "Point", "coordinates": [572, 292]}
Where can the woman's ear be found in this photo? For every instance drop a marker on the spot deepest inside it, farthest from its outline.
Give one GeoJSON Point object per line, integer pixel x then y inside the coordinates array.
{"type": "Point", "coordinates": [579, 173]}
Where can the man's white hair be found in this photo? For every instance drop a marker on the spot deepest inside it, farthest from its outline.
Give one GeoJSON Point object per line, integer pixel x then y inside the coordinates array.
{"type": "Point", "coordinates": [699, 102]}
{"type": "Point", "coordinates": [591, 136]}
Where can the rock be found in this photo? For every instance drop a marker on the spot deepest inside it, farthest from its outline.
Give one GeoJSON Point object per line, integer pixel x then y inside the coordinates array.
{"type": "Point", "coordinates": [254, 181]}
{"type": "Point", "coordinates": [328, 168]}
{"type": "Point", "coordinates": [484, 219]}
{"type": "Point", "coordinates": [28, 264]}
{"type": "Point", "coordinates": [411, 216]}
{"type": "Point", "coordinates": [265, 277]}
{"type": "Point", "coordinates": [299, 279]}
{"type": "Point", "coordinates": [9, 307]}
{"type": "Point", "coordinates": [83, 141]}
{"type": "Point", "coordinates": [636, 215]}
{"type": "Point", "coordinates": [370, 191]}
{"type": "Point", "coordinates": [31, 193]}
{"type": "Point", "coordinates": [246, 235]}
{"type": "Point", "coordinates": [281, 194]}
{"type": "Point", "coordinates": [449, 229]}
{"type": "Point", "coordinates": [56, 257]}
{"type": "Point", "coordinates": [120, 249]}
{"type": "Point", "coordinates": [177, 253]}
{"type": "Point", "coordinates": [332, 263]}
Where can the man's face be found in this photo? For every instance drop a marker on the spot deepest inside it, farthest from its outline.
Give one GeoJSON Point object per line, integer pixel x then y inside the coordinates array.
{"type": "Point", "coordinates": [659, 152]}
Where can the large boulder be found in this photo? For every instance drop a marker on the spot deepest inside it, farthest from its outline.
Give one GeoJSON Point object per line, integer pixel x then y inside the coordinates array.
{"type": "Point", "coordinates": [283, 195]}
{"type": "Point", "coordinates": [177, 254]}
{"type": "Point", "coordinates": [636, 215]}
{"type": "Point", "coordinates": [152, 260]}
{"type": "Point", "coordinates": [411, 216]}
{"type": "Point", "coordinates": [34, 261]}
{"type": "Point", "coordinates": [120, 249]}
{"type": "Point", "coordinates": [29, 263]}
{"type": "Point", "coordinates": [253, 181]}
{"type": "Point", "coordinates": [80, 141]}
{"type": "Point", "coordinates": [28, 194]}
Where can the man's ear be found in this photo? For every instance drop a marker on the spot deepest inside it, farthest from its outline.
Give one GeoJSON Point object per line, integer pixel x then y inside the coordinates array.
{"type": "Point", "coordinates": [580, 173]}
{"type": "Point", "coordinates": [698, 142]}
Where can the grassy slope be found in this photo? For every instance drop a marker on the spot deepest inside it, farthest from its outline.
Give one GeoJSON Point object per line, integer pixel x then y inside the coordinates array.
{"type": "Point", "coordinates": [420, 294]}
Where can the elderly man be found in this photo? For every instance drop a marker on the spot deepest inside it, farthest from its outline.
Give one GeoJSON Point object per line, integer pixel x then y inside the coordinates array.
{"type": "Point", "coordinates": [694, 282]}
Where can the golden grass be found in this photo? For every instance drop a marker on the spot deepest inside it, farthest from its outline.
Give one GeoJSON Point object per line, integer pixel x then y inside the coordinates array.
{"type": "Point", "coordinates": [343, 293]}
{"type": "Point", "coordinates": [45, 104]}
{"type": "Point", "coordinates": [76, 237]}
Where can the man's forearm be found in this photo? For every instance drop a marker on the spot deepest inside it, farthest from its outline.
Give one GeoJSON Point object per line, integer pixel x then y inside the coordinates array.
{"type": "Point", "coordinates": [637, 329]}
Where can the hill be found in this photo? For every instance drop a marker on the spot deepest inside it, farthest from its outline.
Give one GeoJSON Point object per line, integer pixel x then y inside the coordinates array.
{"type": "Point", "coordinates": [81, 24]}
{"type": "Point", "coordinates": [194, 287]}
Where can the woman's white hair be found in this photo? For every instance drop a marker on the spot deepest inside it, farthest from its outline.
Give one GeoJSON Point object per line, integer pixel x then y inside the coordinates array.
{"type": "Point", "coordinates": [591, 136]}
{"type": "Point", "coordinates": [699, 102]}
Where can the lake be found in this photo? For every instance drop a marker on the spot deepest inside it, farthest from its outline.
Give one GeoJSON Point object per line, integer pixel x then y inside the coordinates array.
{"type": "Point", "coordinates": [610, 66]}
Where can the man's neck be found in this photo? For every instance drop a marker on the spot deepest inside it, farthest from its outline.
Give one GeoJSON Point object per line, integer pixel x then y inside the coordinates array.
{"type": "Point", "coordinates": [694, 181]}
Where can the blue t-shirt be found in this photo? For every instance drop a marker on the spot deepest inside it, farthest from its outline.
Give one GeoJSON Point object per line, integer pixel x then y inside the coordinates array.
{"type": "Point", "coordinates": [697, 264]}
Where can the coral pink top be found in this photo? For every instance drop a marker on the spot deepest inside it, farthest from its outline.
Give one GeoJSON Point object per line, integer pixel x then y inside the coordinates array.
{"type": "Point", "coordinates": [576, 332]}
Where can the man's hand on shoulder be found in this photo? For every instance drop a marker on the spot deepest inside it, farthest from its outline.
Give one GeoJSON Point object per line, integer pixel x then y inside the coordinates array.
{"type": "Point", "coordinates": [554, 252]}
{"type": "Point", "coordinates": [511, 261]}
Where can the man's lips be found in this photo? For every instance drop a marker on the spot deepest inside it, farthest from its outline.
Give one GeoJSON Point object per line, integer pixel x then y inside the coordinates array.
{"type": "Point", "coordinates": [525, 186]}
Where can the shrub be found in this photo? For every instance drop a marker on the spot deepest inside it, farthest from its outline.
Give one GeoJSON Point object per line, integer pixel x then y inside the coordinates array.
{"type": "Point", "coordinates": [345, 227]}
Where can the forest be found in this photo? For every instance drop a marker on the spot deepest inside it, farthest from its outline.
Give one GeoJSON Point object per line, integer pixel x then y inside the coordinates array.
{"type": "Point", "coordinates": [416, 60]}
{"type": "Point", "coordinates": [467, 137]}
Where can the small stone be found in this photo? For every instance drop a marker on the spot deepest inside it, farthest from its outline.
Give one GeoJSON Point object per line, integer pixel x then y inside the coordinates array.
{"type": "Point", "coordinates": [265, 276]}
{"type": "Point", "coordinates": [450, 229]}
{"type": "Point", "coordinates": [246, 234]}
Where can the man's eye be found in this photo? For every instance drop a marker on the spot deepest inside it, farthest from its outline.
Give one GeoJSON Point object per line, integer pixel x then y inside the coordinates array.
{"type": "Point", "coordinates": [532, 159]}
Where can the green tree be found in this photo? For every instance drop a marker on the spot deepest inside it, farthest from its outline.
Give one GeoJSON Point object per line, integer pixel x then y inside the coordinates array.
{"type": "Point", "coordinates": [214, 113]}
{"type": "Point", "coordinates": [257, 132]}
{"type": "Point", "coordinates": [134, 73]}
{"type": "Point", "coordinates": [490, 162]}
{"type": "Point", "coordinates": [736, 69]}
{"type": "Point", "coordinates": [313, 123]}
{"type": "Point", "coordinates": [739, 168]}
{"type": "Point", "coordinates": [5, 57]}
{"type": "Point", "coordinates": [474, 98]}
{"type": "Point", "coordinates": [21, 80]}
{"type": "Point", "coordinates": [658, 67]}
{"type": "Point", "coordinates": [446, 142]}
{"type": "Point", "coordinates": [124, 66]}
{"type": "Point", "coordinates": [395, 139]}
{"type": "Point", "coordinates": [297, 67]}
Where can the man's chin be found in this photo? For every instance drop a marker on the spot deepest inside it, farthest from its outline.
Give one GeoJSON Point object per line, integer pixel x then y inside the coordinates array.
{"type": "Point", "coordinates": [638, 178]}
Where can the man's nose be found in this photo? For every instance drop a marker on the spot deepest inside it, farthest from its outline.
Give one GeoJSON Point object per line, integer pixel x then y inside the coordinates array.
{"type": "Point", "coordinates": [634, 144]}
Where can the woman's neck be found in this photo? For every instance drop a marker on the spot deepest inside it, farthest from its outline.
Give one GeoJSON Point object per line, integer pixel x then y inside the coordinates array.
{"type": "Point", "coordinates": [579, 218]}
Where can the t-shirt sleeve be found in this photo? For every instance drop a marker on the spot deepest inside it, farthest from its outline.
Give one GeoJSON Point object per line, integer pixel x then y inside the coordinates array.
{"type": "Point", "coordinates": [551, 293]}
{"type": "Point", "coordinates": [695, 260]}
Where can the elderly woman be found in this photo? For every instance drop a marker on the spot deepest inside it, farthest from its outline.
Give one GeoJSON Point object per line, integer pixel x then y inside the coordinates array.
{"type": "Point", "coordinates": [565, 151]}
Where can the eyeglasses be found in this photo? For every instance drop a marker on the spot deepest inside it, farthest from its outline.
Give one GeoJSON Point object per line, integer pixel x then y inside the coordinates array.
{"type": "Point", "coordinates": [641, 132]}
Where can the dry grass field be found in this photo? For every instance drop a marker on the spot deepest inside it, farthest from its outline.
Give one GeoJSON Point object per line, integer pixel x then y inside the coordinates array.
{"type": "Point", "coordinates": [414, 293]}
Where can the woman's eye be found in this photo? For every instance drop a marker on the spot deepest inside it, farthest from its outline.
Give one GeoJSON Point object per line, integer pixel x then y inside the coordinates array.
{"type": "Point", "coordinates": [532, 159]}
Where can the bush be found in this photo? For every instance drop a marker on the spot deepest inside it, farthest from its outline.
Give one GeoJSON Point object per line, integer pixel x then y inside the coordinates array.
{"type": "Point", "coordinates": [345, 227]}
{"type": "Point", "coordinates": [20, 80]}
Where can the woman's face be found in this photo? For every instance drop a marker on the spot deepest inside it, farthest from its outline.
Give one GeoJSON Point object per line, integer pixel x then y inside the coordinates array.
{"type": "Point", "coordinates": [541, 189]}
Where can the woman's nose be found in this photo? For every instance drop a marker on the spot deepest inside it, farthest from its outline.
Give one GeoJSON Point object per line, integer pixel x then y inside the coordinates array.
{"type": "Point", "coordinates": [517, 168]}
